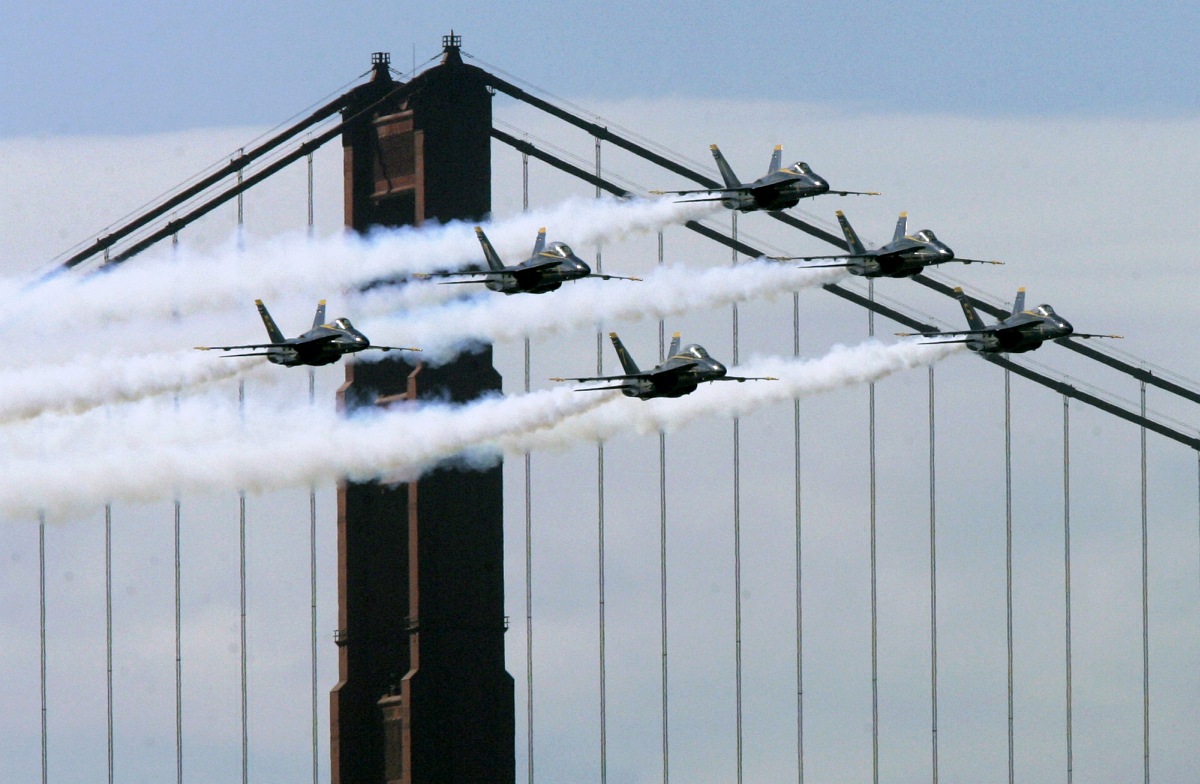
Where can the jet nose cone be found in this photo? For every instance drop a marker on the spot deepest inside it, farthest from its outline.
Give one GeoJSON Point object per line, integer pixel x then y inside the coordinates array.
{"type": "Point", "coordinates": [1065, 326]}
{"type": "Point", "coordinates": [944, 251]}
{"type": "Point", "coordinates": [716, 368]}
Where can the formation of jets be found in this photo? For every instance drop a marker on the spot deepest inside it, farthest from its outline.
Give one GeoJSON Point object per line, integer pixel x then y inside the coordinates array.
{"type": "Point", "coordinates": [552, 264]}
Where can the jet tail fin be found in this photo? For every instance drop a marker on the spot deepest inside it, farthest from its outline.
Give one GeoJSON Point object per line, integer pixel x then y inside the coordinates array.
{"type": "Point", "coordinates": [272, 330]}
{"type": "Point", "coordinates": [319, 318]}
{"type": "Point", "coordinates": [489, 253]}
{"type": "Point", "coordinates": [973, 320]}
{"type": "Point", "coordinates": [731, 180]}
{"type": "Point", "coordinates": [901, 227]}
{"type": "Point", "coordinates": [776, 159]}
{"type": "Point", "coordinates": [1019, 302]}
{"type": "Point", "coordinates": [852, 240]}
{"type": "Point", "coordinates": [539, 244]}
{"type": "Point", "coordinates": [674, 345]}
{"type": "Point", "coordinates": [627, 362]}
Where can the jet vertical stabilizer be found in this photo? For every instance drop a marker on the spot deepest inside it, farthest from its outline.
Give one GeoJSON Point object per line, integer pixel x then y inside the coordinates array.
{"type": "Point", "coordinates": [489, 253]}
{"type": "Point", "coordinates": [272, 330]}
{"type": "Point", "coordinates": [627, 362]}
{"type": "Point", "coordinates": [319, 318]}
{"type": "Point", "coordinates": [968, 309]}
{"type": "Point", "coordinates": [776, 160]}
{"type": "Point", "coordinates": [1019, 303]}
{"type": "Point", "coordinates": [901, 227]}
{"type": "Point", "coordinates": [539, 244]}
{"type": "Point", "coordinates": [731, 180]}
{"type": "Point", "coordinates": [852, 240]}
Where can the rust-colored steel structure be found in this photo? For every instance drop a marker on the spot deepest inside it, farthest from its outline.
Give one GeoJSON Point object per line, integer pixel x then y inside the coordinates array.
{"type": "Point", "coordinates": [422, 695]}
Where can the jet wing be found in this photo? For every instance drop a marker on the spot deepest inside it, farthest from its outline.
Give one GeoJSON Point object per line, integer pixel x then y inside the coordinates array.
{"type": "Point", "coordinates": [673, 370]}
{"type": "Point", "coordinates": [507, 272]}
{"type": "Point", "coordinates": [948, 333]}
{"type": "Point", "coordinates": [292, 344]}
{"type": "Point", "coordinates": [965, 261]}
{"type": "Point", "coordinates": [818, 258]}
{"type": "Point", "coordinates": [746, 378]}
{"type": "Point", "coordinates": [852, 193]}
{"type": "Point", "coordinates": [604, 378]}
{"type": "Point", "coordinates": [600, 389]}
{"type": "Point", "coordinates": [739, 189]}
{"type": "Point", "coordinates": [466, 273]}
{"type": "Point", "coordinates": [249, 346]}
{"type": "Point", "coordinates": [993, 330]}
{"type": "Point", "coordinates": [648, 374]}
{"type": "Point", "coordinates": [531, 266]}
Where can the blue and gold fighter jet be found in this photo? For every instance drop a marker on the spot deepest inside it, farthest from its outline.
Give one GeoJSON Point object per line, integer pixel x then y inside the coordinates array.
{"type": "Point", "coordinates": [546, 269]}
{"type": "Point", "coordinates": [780, 188]}
{"type": "Point", "coordinates": [1024, 330]}
{"type": "Point", "coordinates": [682, 371]}
{"type": "Point", "coordinates": [324, 344]}
{"type": "Point", "coordinates": [905, 256]}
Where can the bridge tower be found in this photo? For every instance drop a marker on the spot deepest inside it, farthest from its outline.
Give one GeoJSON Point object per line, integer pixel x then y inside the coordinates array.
{"type": "Point", "coordinates": [422, 695]}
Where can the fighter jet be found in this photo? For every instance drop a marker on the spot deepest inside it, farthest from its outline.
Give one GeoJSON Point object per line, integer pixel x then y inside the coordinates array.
{"type": "Point", "coordinates": [906, 255]}
{"type": "Point", "coordinates": [324, 344]}
{"type": "Point", "coordinates": [546, 270]}
{"type": "Point", "coordinates": [681, 373]}
{"type": "Point", "coordinates": [779, 189]}
{"type": "Point", "coordinates": [1023, 331]}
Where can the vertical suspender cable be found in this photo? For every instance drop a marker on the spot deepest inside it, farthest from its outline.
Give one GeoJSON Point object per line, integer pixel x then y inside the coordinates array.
{"type": "Point", "coordinates": [178, 620]}
{"type": "Point", "coordinates": [1145, 611]}
{"type": "Point", "coordinates": [42, 637]}
{"type": "Point", "coordinates": [737, 536]}
{"type": "Point", "coordinates": [799, 561]}
{"type": "Point", "coordinates": [311, 222]}
{"type": "Point", "coordinates": [1008, 574]}
{"type": "Point", "coordinates": [600, 543]}
{"type": "Point", "coordinates": [528, 537]}
{"type": "Point", "coordinates": [1067, 572]}
{"type": "Point", "coordinates": [312, 527]}
{"type": "Point", "coordinates": [933, 671]}
{"type": "Point", "coordinates": [242, 584]}
{"type": "Point", "coordinates": [108, 632]}
{"type": "Point", "coordinates": [108, 629]}
{"type": "Point", "coordinates": [871, 474]}
{"type": "Point", "coordinates": [242, 532]}
{"type": "Point", "coordinates": [312, 588]}
{"type": "Point", "coordinates": [663, 554]}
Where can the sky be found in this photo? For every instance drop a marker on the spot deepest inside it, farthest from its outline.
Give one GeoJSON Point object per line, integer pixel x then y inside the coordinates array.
{"type": "Point", "coordinates": [117, 68]}
{"type": "Point", "coordinates": [1059, 140]}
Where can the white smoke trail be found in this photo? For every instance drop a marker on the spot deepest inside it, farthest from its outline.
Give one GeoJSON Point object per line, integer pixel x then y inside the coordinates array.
{"type": "Point", "coordinates": [147, 453]}
{"type": "Point", "coordinates": [168, 285]}
{"type": "Point", "coordinates": [668, 291]}
{"type": "Point", "coordinates": [90, 381]}
{"type": "Point", "coordinates": [144, 453]}
{"type": "Point", "coordinates": [798, 378]}
{"type": "Point", "coordinates": [87, 380]}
